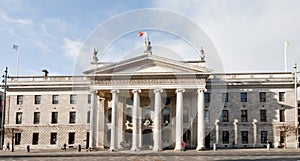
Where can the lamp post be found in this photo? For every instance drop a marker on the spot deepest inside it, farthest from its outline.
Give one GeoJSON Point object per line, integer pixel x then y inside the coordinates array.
{"type": "Point", "coordinates": [4, 81]}
{"type": "Point", "coordinates": [296, 103]}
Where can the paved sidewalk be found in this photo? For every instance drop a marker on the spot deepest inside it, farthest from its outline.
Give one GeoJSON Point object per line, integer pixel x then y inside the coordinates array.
{"type": "Point", "coordinates": [220, 152]}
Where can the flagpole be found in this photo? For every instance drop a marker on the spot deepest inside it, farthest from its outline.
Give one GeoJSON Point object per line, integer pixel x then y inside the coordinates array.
{"type": "Point", "coordinates": [285, 64]}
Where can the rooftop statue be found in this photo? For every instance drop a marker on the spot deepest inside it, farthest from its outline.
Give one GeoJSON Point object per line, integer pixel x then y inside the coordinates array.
{"type": "Point", "coordinates": [147, 43]}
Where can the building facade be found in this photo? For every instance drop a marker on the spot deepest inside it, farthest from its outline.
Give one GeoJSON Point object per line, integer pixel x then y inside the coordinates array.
{"type": "Point", "coordinates": [151, 102]}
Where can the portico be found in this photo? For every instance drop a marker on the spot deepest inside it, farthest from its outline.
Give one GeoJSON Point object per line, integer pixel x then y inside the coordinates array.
{"type": "Point", "coordinates": [147, 102]}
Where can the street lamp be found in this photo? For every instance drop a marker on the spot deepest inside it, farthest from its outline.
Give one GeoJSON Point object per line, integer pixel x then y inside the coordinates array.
{"type": "Point", "coordinates": [4, 81]}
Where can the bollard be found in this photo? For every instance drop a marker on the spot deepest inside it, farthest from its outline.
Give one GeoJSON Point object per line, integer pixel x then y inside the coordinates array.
{"type": "Point", "coordinates": [268, 146]}
{"type": "Point", "coordinates": [215, 147]}
{"type": "Point", "coordinates": [28, 148]}
{"type": "Point", "coordinates": [79, 148]}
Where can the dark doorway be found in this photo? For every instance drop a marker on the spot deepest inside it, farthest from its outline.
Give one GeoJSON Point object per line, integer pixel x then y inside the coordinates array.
{"type": "Point", "coordinates": [87, 140]}
{"type": "Point", "coordinates": [187, 137]}
{"type": "Point", "coordinates": [147, 138]}
{"type": "Point", "coordinates": [207, 141]}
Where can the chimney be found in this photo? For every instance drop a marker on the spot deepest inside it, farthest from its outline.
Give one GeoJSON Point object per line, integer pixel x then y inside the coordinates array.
{"type": "Point", "coordinates": [45, 72]}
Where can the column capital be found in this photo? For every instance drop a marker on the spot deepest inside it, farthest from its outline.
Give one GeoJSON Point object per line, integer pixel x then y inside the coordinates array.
{"type": "Point", "coordinates": [201, 90]}
{"type": "Point", "coordinates": [156, 90]}
{"type": "Point", "coordinates": [180, 90]}
{"type": "Point", "coordinates": [93, 91]}
{"type": "Point", "coordinates": [114, 91]}
{"type": "Point", "coordinates": [136, 91]}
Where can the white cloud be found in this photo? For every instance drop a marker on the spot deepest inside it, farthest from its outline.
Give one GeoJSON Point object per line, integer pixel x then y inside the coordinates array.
{"type": "Point", "coordinates": [71, 48]}
{"type": "Point", "coordinates": [7, 19]}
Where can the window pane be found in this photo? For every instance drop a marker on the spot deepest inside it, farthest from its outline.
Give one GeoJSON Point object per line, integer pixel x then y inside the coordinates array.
{"type": "Point", "coordinates": [282, 115]}
{"type": "Point", "coordinates": [166, 117]}
{"type": "Point", "coordinates": [264, 137]}
{"type": "Point", "coordinates": [17, 138]}
{"type": "Point", "coordinates": [244, 116]}
{"type": "Point", "coordinates": [206, 97]}
{"type": "Point", "coordinates": [206, 115]}
{"type": "Point", "coordinates": [262, 96]}
{"type": "Point", "coordinates": [225, 97]}
{"type": "Point", "coordinates": [225, 137]}
{"type": "Point", "coordinates": [89, 98]}
{"type": "Point", "coordinates": [54, 117]}
{"type": "Point", "coordinates": [35, 138]}
{"type": "Point", "coordinates": [243, 97]}
{"type": "Point", "coordinates": [225, 117]}
{"type": "Point", "coordinates": [55, 99]}
{"type": "Point", "coordinates": [88, 120]}
{"type": "Point", "coordinates": [71, 138]}
{"type": "Point", "coordinates": [244, 137]}
{"type": "Point", "coordinates": [263, 115]}
{"type": "Point", "coordinates": [36, 118]}
{"type": "Point", "coordinates": [37, 99]}
{"type": "Point", "coordinates": [19, 99]}
{"type": "Point", "coordinates": [19, 118]}
{"type": "Point", "coordinates": [72, 117]}
{"type": "Point", "coordinates": [281, 96]}
{"type": "Point", "coordinates": [72, 99]}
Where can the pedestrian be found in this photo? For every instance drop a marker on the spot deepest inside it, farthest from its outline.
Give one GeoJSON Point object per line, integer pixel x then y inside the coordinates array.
{"type": "Point", "coordinates": [65, 146]}
{"type": "Point", "coordinates": [7, 146]}
{"type": "Point", "coordinates": [184, 146]}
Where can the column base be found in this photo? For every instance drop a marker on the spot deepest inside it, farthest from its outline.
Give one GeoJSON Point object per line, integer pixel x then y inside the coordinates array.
{"type": "Point", "coordinates": [113, 150]}
{"type": "Point", "coordinates": [157, 149]}
{"type": "Point", "coordinates": [201, 148]}
{"type": "Point", "coordinates": [178, 149]}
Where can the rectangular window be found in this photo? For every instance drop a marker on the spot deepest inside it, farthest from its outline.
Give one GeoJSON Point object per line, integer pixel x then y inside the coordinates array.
{"type": "Point", "coordinates": [206, 115]}
{"type": "Point", "coordinates": [89, 98]}
{"type": "Point", "coordinates": [281, 96]}
{"type": "Point", "coordinates": [71, 138]}
{"type": "Point", "coordinates": [72, 117]}
{"type": "Point", "coordinates": [19, 118]}
{"type": "Point", "coordinates": [206, 97]}
{"type": "Point", "coordinates": [264, 137]}
{"type": "Point", "coordinates": [35, 138]}
{"type": "Point", "coordinates": [88, 117]}
{"type": "Point", "coordinates": [262, 96]}
{"type": "Point", "coordinates": [224, 97]}
{"type": "Point", "coordinates": [282, 115]}
{"type": "Point", "coordinates": [55, 99]}
{"type": "Point", "coordinates": [17, 138]}
{"type": "Point", "coordinates": [54, 117]}
{"type": "Point", "coordinates": [72, 99]}
{"type": "Point", "coordinates": [225, 137]}
{"type": "Point", "coordinates": [36, 118]}
{"type": "Point", "coordinates": [225, 117]}
{"type": "Point", "coordinates": [244, 137]}
{"type": "Point", "coordinates": [53, 138]}
{"type": "Point", "coordinates": [37, 99]}
{"type": "Point", "coordinates": [263, 115]}
{"type": "Point", "coordinates": [282, 136]}
{"type": "Point", "coordinates": [244, 116]}
{"type": "Point", "coordinates": [243, 97]}
{"type": "Point", "coordinates": [19, 99]}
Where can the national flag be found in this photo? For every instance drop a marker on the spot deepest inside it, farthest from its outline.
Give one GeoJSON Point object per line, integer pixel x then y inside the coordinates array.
{"type": "Point", "coordinates": [140, 34]}
{"type": "Point", "coordinates": [15, 47]}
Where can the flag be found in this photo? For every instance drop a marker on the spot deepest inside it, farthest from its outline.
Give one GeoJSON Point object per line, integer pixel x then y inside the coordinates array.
{"type": "Point", "coordinates": [15, 47]}
{"type": "Point", "coordinates": [286, 44]}
{"type": "Point", "coordinates": [140, 34]}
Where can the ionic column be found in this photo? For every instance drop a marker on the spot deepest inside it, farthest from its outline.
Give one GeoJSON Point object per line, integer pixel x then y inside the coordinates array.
{"type": "Point", "coordinates": [157, 121]}
{"type": "Point", "coordinates": [179, 116]}
{"type": "Point", "coordinates": [93, 120]}
{"type": "Point", "coordinates": [114, 113]}
{"type": "Point", "coordinates": [135, 120]}
{"type": "Point", "coordinates": [200, 123]}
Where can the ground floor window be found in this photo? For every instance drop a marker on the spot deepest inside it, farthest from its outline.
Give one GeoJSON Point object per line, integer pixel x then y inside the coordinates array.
{"type": "Point", "coordinates": [71, 138]}
{"type": "Point", "coordinates": [264, 137]}
{"type": "Point", "coordinates": [244, 137]}
{"type": "Point", "coordinates": [17, 138]}
{"type": "Point", "coordinates": [225, 137]}
{"type": "Point", "coordinates": [35, 138]}
{"type": "Point", "coordinates": [53, 137]}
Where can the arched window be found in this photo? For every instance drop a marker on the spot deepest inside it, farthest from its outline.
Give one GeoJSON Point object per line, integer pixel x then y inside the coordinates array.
{"type": "Point", "coordinates": [185, 115]}
{"type": "Point", "coordinates": [166, 115]}
{"type": "Point", "coordinates": [147, 114]}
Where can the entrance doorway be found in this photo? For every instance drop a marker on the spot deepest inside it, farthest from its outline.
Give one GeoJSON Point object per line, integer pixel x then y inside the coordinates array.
{"type": "Point", "coordinates": [187, 137]}
{"type": "Point", "coordinates": [207, 141]}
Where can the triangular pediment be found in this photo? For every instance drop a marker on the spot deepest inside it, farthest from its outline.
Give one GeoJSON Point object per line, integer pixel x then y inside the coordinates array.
{"type": "Point", "coordinates": [148, 64]}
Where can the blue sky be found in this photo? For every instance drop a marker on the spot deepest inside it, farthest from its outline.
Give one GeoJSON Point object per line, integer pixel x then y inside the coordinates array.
{"type": "Point", "coordinates": [248, 35]}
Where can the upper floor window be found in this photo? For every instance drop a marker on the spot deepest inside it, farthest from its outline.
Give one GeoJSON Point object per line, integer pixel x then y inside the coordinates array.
{"type": "Point", "coordinates": [36, 118]}
{"type": "Point", "coordinates": [206, 115]}
{"type": "Point", "coordinates": [55, 99]}
{"type": "Point", "coordinates": [281, 96]}
{"type": "Point", "coordinates": [19, 99]}
{"type": "Point", "coordinates": [244, 116]}
{"type": "Point", "coordinates": [206, 97]}
{"type": "Point", "coordinates": [262, 96]}
{"type": "Point", "coordinates": [72, 99]}
{"type": "Point", "coordinates": [225, 117]}
{"type": "Point", "coordinates": [72, 118]}
{"type": "Point", "coordinates": [282, 115]}
{"type": "Point", "coordinates": [54, 118]}
{"type": "Point", "coordinates": [19, 118]}
{"type": "Point", "coordinates": [224, 97]}
{"type": "Point", "coordinates": [88, 120]}
{"type": "Point", "coordinates": [37, 99]}
{"type": "Point", "coordinates": [243, 97]}
{"type": "Point", "coordinates": [263, 115]}
{"type": "Point", "coordinates": [89, 98]}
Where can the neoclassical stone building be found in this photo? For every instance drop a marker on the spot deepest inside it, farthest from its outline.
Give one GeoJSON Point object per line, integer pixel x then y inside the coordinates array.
{"type": "Point", "coordinates": [151, 102]}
